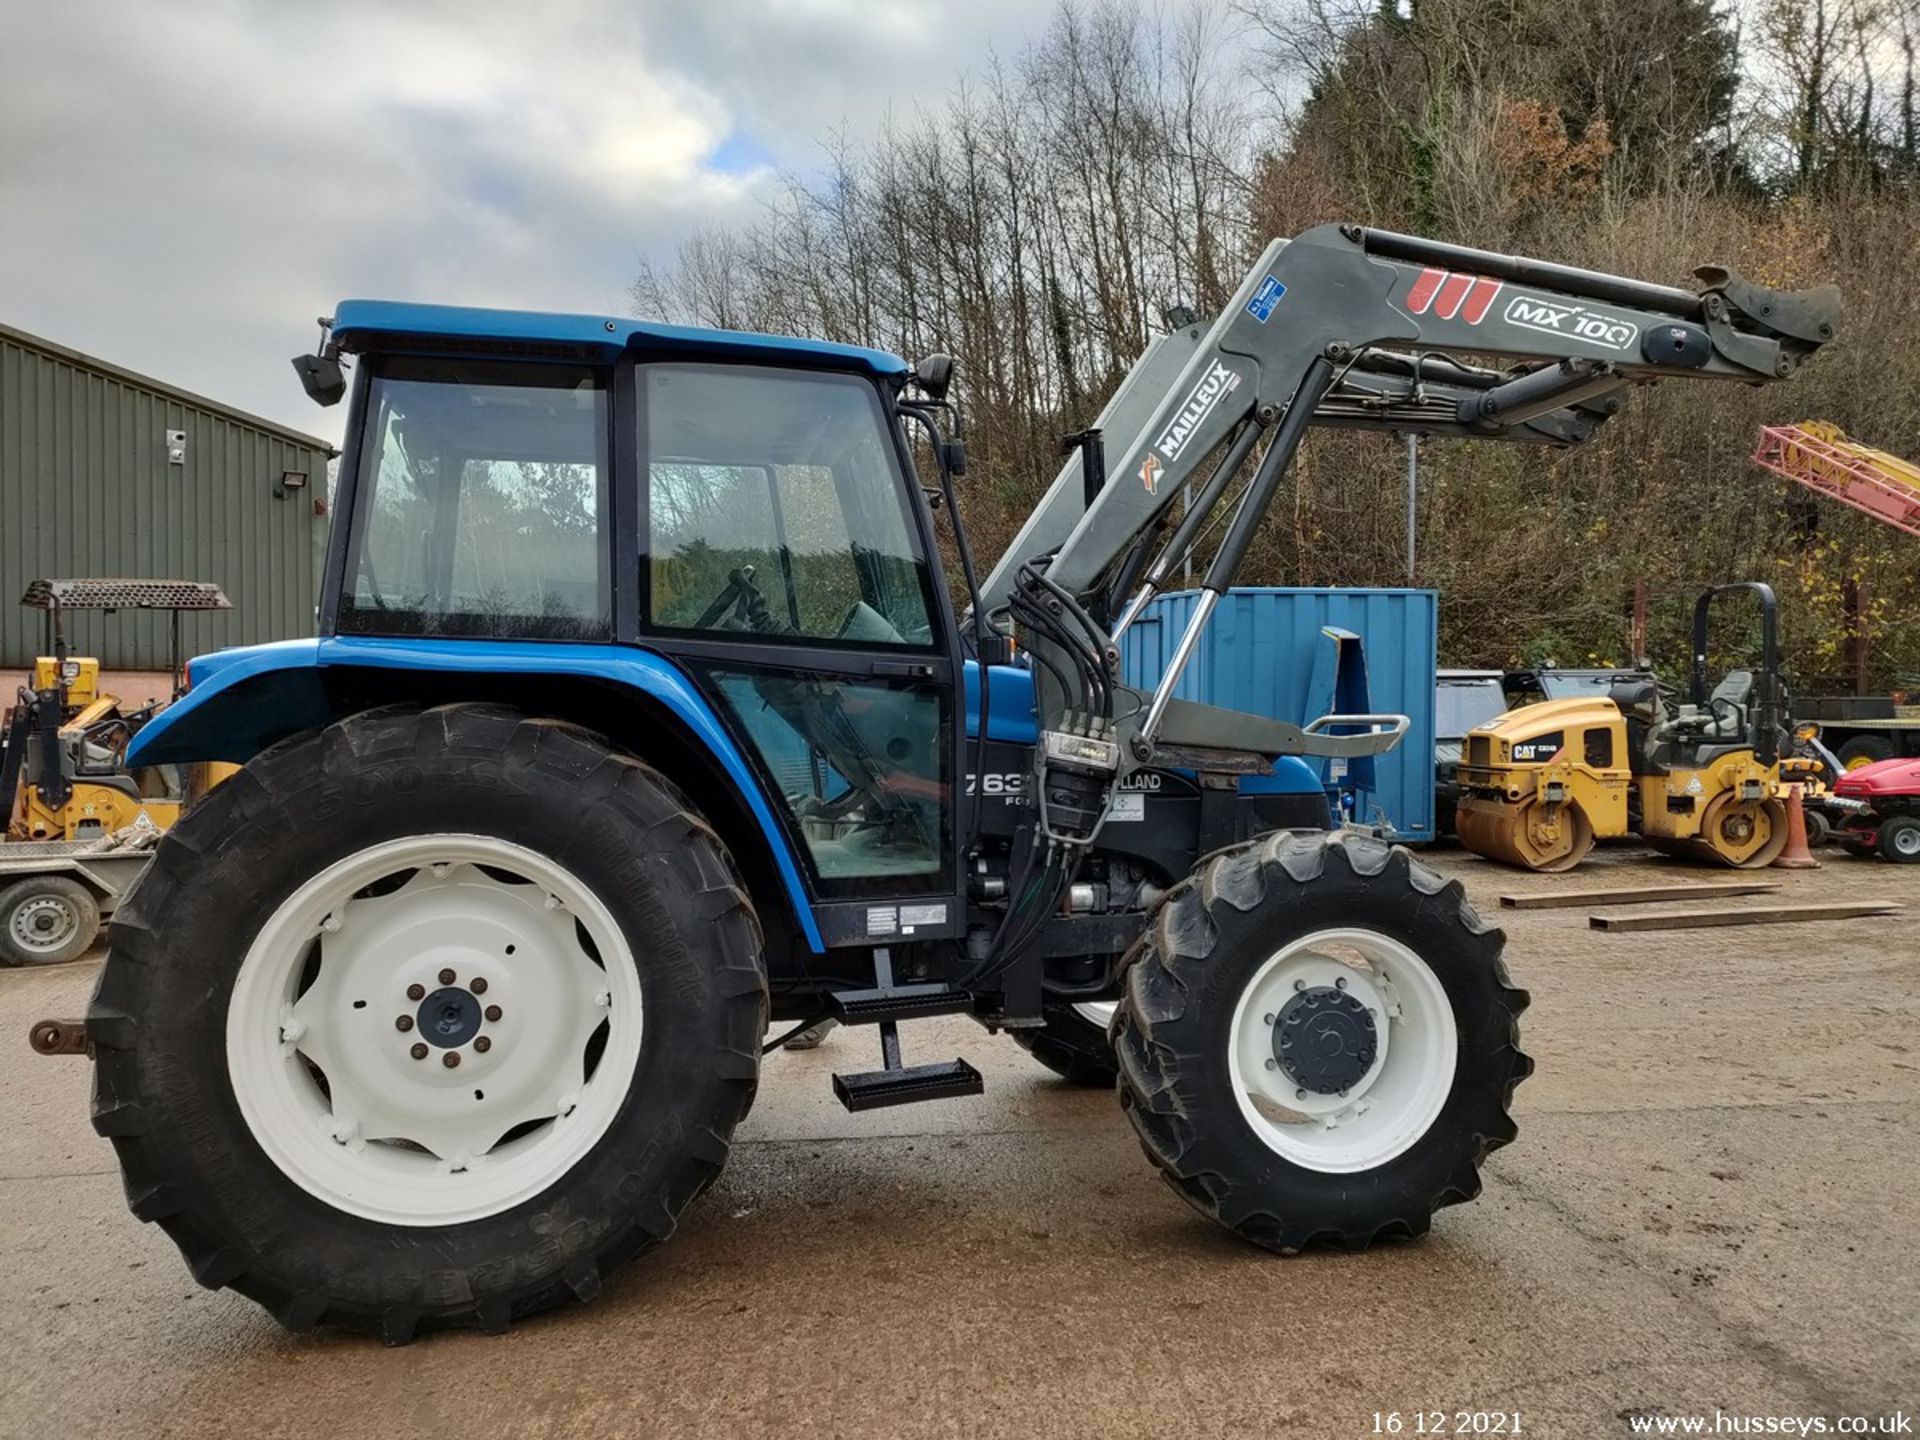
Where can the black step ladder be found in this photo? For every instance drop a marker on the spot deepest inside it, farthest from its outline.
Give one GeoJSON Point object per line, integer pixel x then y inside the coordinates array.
{"type": "Point", "coordinates": [887, 1005]}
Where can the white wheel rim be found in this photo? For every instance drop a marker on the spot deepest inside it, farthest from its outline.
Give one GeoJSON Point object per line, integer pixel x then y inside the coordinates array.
{"type": "Point", "coordinates": [1906, 840]}
{"type": "Point", "coordinates": [408, 1141]}
{"type": "Point", "coordinates": [1396, 1100]}
{"type": "Point", "coordinates": [43, 924]}
{"type": "Point", "coordinates": [1097, 1012]}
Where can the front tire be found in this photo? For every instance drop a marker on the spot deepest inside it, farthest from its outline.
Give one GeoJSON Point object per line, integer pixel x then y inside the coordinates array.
{"type": "Point", "coordinates": [1400, 1030]}
{"type": "Point", "coordinates": [1900, 839]}
{"type": "Point", "coordinates": [332, 912]}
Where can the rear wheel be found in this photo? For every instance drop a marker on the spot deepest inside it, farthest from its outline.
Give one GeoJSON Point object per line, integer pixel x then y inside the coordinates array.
{"type": "Point", "coordinates": [47, 920]}
{"type": "Point", "coordinates": [1864, 750]}
{"type": "Point", "coordinates": [1746, 834]}
{"type": "Point", "coordinates": [1819, 828]}
{"type": "Point", "coordinates": [1073, 1043]}
{"type": "Point", "coordinates": [1900, 839]}
{"type": "Point", "coordinates": [1318, 1042]}
{"type": "Point", "coordinates": [429, 1020]}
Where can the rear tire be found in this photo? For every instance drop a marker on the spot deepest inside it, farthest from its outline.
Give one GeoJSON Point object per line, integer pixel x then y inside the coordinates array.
{"type": "Point", "coordinates": [1072, 1044]}
{"type": "Point", "coordinates": [47, 920]}
{"type": "Point", "coordinates": [1211, 1114]}
{"type": "Point", "coordinates": [1900, 839]}
{"type": "Point", "coordinates": [1864, 750]}
{"type": "Point", "coordinates": [1819, 828]}
{"type": "Point", "coordinates": [641, 1078]}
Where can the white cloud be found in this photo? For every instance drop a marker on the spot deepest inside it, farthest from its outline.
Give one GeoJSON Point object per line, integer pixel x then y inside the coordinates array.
{"type": "Point", "coordinates": [184, 186]}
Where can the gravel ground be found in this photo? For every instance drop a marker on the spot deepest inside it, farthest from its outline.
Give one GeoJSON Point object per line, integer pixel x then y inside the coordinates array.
{"type": "Point", "coordinates": [1711, 1205]}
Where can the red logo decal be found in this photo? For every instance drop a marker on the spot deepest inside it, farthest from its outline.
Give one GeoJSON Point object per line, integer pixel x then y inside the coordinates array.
{"type": "Point", "coordinates": [1150, 471]}
{"type": "Point", "coordinates": [1452, 296]}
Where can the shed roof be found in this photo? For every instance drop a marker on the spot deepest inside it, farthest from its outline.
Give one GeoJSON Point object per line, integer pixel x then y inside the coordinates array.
{"type": "Point", "coordinates": [111, 371]}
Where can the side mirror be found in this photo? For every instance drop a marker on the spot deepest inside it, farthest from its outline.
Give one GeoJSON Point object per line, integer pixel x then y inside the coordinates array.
{"type": "Point", "coordinates": [934, 375]}
{"type": "Point", "coordinates": [322, 377]}
{"type": "Point", "coordinates": [956, 458]}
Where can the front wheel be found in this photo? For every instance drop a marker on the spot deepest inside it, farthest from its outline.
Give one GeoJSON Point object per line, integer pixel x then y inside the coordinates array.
{"type": "Point", "coordinates": [1318, 1042]}
{"type": "Point", "coordinates": [428, 1020]}
{"type": "Point", "coordinates": [1900, 839]}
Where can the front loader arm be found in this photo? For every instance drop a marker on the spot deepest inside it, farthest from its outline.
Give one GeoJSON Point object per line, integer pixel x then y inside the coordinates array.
{"type": "Point", "coordinates": [1351, 327]}
{"type": "Point", "coordinates": [1370, 302]}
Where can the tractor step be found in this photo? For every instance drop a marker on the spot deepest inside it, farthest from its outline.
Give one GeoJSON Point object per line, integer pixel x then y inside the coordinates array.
{"type": "Point", "coordinates": [875, 1089]}
{"type": "Point", "coordinates": [897, 1002]}
{"type": "Point", "coordinates": [886, 1005]}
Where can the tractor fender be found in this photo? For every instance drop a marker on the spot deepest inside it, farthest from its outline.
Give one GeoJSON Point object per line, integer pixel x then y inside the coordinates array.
{"type": "Point", "coordinates": [241, 701]}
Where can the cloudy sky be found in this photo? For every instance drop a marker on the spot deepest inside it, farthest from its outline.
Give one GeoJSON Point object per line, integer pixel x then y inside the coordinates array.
{"type": "Point", "coordinates": [185, 186]}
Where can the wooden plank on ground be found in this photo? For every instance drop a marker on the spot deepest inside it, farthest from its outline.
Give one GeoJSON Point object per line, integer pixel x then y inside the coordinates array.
{"type": "Point", "coordinates": [1637, 894]}
{"type": "Point", "coordinates": [1747, 915]}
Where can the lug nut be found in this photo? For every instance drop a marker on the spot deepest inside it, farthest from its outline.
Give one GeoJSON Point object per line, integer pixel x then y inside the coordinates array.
{"type": "Point", "coordinates": [493, 1012]}
{"type": "Point", "coordinates": [446, 977]}
{"type": "Point", "coordinates": [403, 1023]}
{"type": "Point", "coordinates": [419, 1051]}
{"type": "Point", "coordinates": [1341, 983]}
{"type": "Point", "coordinates": [416, 992]}
{"type": "Point", "coordinates": [479, 986]}
{"type": "Point", "coordinates": [451, 1059]}
{"type": "Point", "coordinates": [483, 1044]}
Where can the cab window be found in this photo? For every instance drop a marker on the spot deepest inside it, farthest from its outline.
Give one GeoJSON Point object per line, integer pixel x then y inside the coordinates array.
{"type": "Point", "coordinates": [776, 505]}
{"type": "Point", "coordinates": [481, 503]}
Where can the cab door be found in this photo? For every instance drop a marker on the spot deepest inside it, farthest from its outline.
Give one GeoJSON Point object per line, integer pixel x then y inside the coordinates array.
{"type": "Point", "coordinates": [784, 562]}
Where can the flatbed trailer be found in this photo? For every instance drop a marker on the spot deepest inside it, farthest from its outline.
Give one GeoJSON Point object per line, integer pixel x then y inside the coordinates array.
{"type": "Point", "coordinates": [54, 893]}
{"type": "Point", "coordinates": [1863, 729]}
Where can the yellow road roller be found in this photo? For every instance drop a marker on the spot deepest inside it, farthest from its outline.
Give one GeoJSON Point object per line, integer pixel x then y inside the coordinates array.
{"type": "Point", "coordinates": [1540, 784]}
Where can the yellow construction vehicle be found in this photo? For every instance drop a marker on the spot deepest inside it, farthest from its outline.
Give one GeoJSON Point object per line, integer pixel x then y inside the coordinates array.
{"type": "Point", "coordinates": [1539, 784]}
{"type": "Point", "coordinates": [62, 775]}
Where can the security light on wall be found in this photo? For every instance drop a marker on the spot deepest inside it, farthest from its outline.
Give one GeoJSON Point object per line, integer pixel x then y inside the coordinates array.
{"type": "Point", "coordinates": [290, 480]}
{"type": "Point", "coordinates": [176, 447]}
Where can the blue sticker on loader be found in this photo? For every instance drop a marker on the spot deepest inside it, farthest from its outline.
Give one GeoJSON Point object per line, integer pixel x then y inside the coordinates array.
{"type": "Point", "coordinates": [1265, 298]}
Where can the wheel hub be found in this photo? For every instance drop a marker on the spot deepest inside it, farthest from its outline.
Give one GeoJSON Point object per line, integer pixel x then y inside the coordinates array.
{"type": "Point", "coordinates": [449, 1017]}
{"type": "Point", "coordinates": [434, 1028]}
{"type": "Point", "coordinates": [43, 924]}
{"type": "Point", "coordinates": [1325, 1040]}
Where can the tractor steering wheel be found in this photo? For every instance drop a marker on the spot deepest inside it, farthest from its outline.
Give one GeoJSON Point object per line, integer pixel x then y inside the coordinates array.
{"type": "Point", "coordinates": [736, 593]}
{"type": "Point", "coordinates": [1718, 703]}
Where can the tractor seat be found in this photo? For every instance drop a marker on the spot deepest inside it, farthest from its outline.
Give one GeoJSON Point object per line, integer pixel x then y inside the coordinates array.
{"type": "Point", "coordinates": [1727, 719]}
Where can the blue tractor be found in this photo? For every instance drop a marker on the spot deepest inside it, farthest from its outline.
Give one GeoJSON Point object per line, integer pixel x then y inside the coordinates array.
{"type": "Point", "coordinates": [642, 725]}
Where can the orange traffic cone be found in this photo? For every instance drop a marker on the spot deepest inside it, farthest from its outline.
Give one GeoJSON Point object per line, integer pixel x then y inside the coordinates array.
{"type": "Point", "coordinates": [1798, 855]}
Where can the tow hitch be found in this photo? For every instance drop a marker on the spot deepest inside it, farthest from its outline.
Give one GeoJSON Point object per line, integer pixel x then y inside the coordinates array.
{"type": "Point", "coordinates": [60, 1037]}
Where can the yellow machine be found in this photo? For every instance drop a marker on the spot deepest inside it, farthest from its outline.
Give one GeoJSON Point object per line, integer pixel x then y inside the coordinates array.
{"type": "Point", "coordinates": [61, 772]}
{"type": "Point", "coordinates": [1540, 784]}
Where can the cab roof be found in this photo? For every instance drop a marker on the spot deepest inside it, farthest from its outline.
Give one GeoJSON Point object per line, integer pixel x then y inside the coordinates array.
{"type": "Point", "coordinates": [360, 325]}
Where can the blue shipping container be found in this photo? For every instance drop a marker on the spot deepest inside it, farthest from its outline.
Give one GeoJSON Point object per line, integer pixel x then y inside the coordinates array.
{"type": "Point", "coordinates": [1266, 651]}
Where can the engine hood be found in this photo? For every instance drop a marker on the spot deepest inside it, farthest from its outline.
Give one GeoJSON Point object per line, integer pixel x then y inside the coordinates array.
{"type": "Point", "coordinates": [1883, 777]}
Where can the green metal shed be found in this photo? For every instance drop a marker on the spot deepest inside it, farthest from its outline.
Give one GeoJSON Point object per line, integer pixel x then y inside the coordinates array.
{"type": "Point", "coordinates": [107, 473]}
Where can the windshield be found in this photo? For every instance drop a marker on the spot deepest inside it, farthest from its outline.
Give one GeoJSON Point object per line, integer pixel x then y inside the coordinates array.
{"type": "Point", "coordinates": [1458, 708]}
{"type": "Point", "coordinates": [481, 501]}
{"type": "Point", "coordinates": [1574, 685]}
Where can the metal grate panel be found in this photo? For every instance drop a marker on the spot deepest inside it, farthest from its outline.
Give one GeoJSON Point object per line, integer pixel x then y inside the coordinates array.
{"type": "Point", "coordinates": [120, 594]}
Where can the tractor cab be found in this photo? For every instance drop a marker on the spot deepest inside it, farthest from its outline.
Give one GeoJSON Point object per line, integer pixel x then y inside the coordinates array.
{"type": "Point", "coordinates": [737, 510]}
